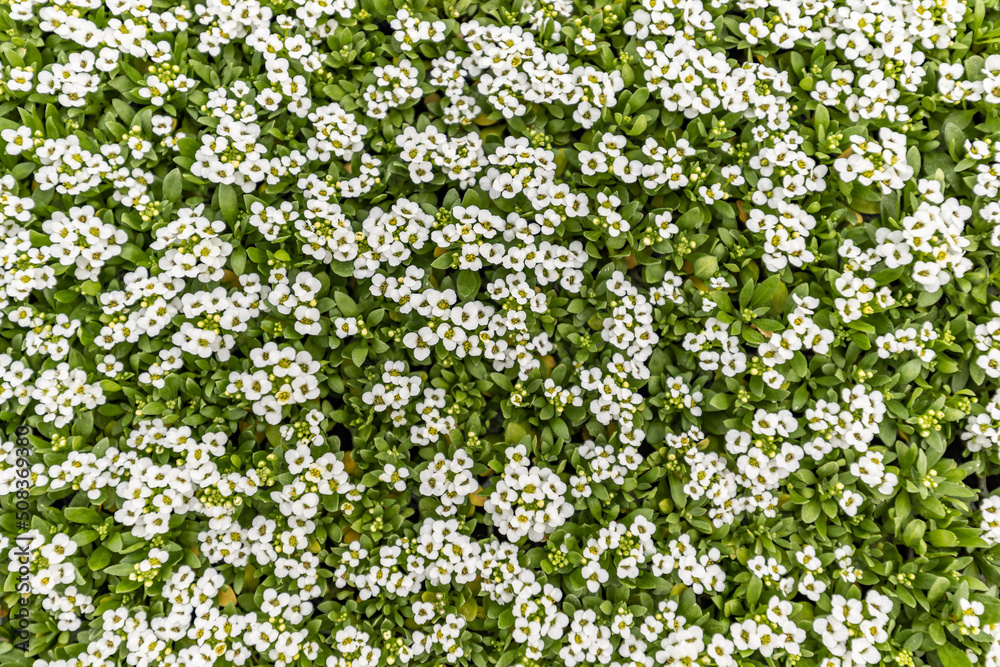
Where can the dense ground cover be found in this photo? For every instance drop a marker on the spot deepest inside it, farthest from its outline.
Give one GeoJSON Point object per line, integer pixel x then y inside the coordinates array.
{"type": "Point", "coordinates": [359, 333]}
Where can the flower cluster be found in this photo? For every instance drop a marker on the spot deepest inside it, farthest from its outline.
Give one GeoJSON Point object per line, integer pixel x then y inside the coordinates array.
{"type": "Point", "coordinates": [527, 501]}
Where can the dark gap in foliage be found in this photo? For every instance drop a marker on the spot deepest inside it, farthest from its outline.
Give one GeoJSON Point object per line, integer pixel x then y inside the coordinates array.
{"type": "Point", "coordinates": [992, 483]}
{"type": "Point", "coordinates": [343, 434]}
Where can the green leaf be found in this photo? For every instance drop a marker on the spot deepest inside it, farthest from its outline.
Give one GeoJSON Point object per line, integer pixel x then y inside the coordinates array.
{"type": "Point", "coordinates": [638, 127]}
{"type": "Point", "coordinates": [938, 588]}
{"type": "Point", "coordinates": [99, 559]}
{"type": "Point", "coordinates": [110, 386]}
{"type": "Point", "coordinates": [84, 515]}
{"type": "Point", "coordinates": [134, 254]}
{"type": "Point", "coordinates": [227, 203]}
{"type": "Point", "coordinates": [822, 116]}
{"type": "Point", "coordinates": [559, 428]}
{"type": "Point", "coordinates": [952, 656]}
{"type": "Point", "coordinates": [721, 401]}
{"type": "Point", "coordinates": [124, 110]}
{"type": "Point", "coordinates": [909, 371]}
{"type": "Point", "coordinates": [501, 380]}
{"type": "Point", "coordinates": [238, 261]}
{"type": "Point", "coordinates": [706, 267]}
{"type": "Point", "coordinates": [638, 99]}
{"type": "Point", "coordinates": [173, 185]}
{"type": "Point", "coordinates": [746, 293]}
{"type": "Point", "coordinates": [469, 283]}
{"type": "Point", "coordinates": [127, 585]}
{"type": "Point", "coordinates": [359, 355]}
{"type": "Point", "coordinates": [942, 538]}
{"type": "Point", "coordinates": [765, 291]}
{"type": "Point", "coordinates": [754, 591]}
{"type": "Point", "coordinates": [516, 431]}
{"type": "Point", "coordinates": [346, 305]}
{"type": "Point", "coordinates": [120, 569]}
